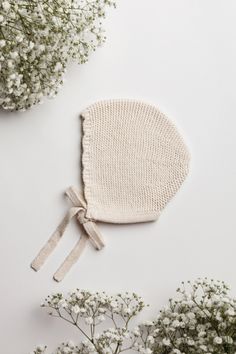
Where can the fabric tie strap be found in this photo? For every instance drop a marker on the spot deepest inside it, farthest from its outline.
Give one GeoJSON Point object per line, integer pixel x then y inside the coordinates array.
{"type": "Point", "coordinates": [90, 231]}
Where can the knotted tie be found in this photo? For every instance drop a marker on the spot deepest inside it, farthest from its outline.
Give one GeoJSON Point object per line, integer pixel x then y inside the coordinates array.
{"type": "Point", "coordinates": [90, 232]}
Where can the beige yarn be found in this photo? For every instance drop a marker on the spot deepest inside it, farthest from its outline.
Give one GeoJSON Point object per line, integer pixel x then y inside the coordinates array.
{"type": "Point", "coordinates": [134, 161]}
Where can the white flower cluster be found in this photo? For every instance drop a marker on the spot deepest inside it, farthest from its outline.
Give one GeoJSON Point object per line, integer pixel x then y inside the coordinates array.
{"type": "Point", "coordinates": [37, 40]}
{"type": "Point", "coordinates": [87, 311]}
{"type": "Point", "coordinates": [202, 320]}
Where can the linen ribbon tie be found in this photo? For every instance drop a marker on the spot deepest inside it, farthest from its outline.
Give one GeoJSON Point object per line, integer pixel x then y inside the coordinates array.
{"type": "Point", "coordinates": [90, 232]}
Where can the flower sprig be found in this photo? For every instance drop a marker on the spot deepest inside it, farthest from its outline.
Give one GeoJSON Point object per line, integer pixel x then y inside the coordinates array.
{"type": "Point", "coordinates": [201, 319]}
{"type": "Point", "coordinates": [38, 38]}
{"type": "Point", "coordinates": [86, 311]}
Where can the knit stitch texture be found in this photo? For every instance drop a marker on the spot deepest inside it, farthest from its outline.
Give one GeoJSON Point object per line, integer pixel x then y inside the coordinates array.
{"type": "Point", "coordinates": [134, 161]}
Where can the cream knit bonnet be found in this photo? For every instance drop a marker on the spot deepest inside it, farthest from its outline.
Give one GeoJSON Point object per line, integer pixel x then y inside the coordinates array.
{"type": "Point", "coordinates": [133, 162]}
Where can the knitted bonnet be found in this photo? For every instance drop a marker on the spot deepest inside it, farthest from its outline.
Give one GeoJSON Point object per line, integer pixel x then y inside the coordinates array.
{"type": "Point", "coordinates": [133, 162]}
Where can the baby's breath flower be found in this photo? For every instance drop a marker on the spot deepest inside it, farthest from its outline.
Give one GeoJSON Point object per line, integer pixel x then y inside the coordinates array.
{"type": "Point", "coordinates": [218, 340]}
{"type": "Point", "coordinates": [166, 341]}
{"type": "Point", "coordinates": [89, 320]}
{"type": "Point", "coordinates": [201, 319]}
{"type": "Point", "coordinates": [2, 43]}
{"type": "Point", "coordinates": [75, 309]}
{"type": "Point", "coordinates": [83, 307]}
{"type": "Point", "coordinates": [38, 38]}
{"type": "Point", "coordinates": [6, 5]}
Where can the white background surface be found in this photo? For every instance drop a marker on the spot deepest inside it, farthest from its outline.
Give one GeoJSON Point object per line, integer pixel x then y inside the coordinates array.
{"type": "Point", "coordinates": [179, 55]}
